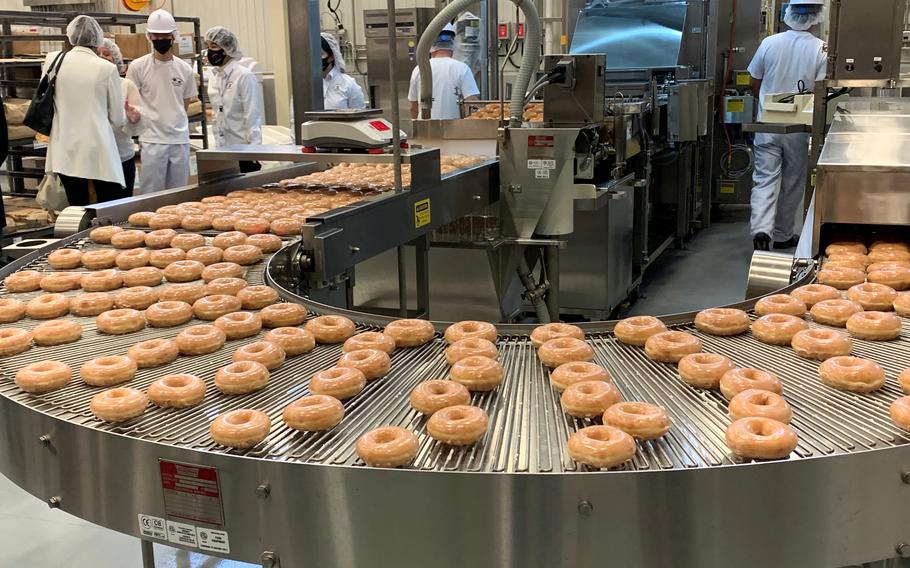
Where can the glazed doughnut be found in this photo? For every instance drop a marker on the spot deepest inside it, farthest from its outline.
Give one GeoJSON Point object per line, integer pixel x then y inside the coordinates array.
{"type": "Point", "coordinates": [812, 294]}
{"type": "Point", "coordinates": [269, 354]}
{"type": "Point", "coordinates": [874, 297]}
{"type": "Point", "coordinates": [293, 340]}
{"type": "Point", "coordinates": [777, 329]}
{"type": "Point", "coordinates": [555, 352]}
{"type": "Point", "coordinates": [184, 271]}
{"type": "Point", "coordinates": [187, 292]}
{"type": "Point", "coordinates": [136, 298]}
{"type": "Point", "coordinates": [850, 257]}
{"type": "Point", "coordinates": [223, 223]}
{"type": "Point", "coordinates": [257, 297]}
{"type": "Point", "coordinates": [904, 380]}
{"type": "Point", "coordinates": [200, 340]}
{"type": "Point", "coordinates": [902, 304]}
{"type": "Point", "coordinates": [222, 270]}
{"type": "Point", "coordinates": [205, 254]}
{"type": "Point", "coordinates": [128, 239]}
{"type": "Point", "coordinates": [188, 241]}
{"type": "Point", "coordinates": [821, 344]}
{"type": "Point", "coordinates": [874, 326]}
{"type": "Point", "coordinates": [177, 391]}
{"type": "Point", "coordinates": [761, 403]}
{"type": "Point", "coordinates": [780, 304]}
{"type": "Point", "coordinates": [229, 239]}
{"type": "Point", "coordinates": [153, 353]}
{"type": "Point", "coordinates": [242, 377]}
{"type": "Point", "coordinates": [881, 255]}
{"type": "Point", "coordinates": [846, 247]}
{"type": "Point", "coordinates": [373, 340]}
{"type": "Point", "coordinates": [164, 221]}
{"type": "Point", "coordinates": [900, 412]}
{"type": "Point", "coordinates": [736, 381]}
{"type": "Point", "coordinates": [11, 310]}
{"type": "Point", "coordinates": [238, 325]}
{"type": "Point", "coordinates": [61, 281]}
{"type": "Point", "coordinates": [140, 219]}
{"type": "Point", "coordinates": [841, 278]}
{"type": "Point", "coordinates": [14, 341]}
{"type": "Point", "coordinates": [286, 226]}
{"type": "Point", "coordinates": [845, 263]}
{"type": "Point", "coordinates": [168, 314]}
{"type": "Point", "coordinates": [144, 276]}
{"type": "Point", "coordinates": [43, 376]}
{"type": "Point", "coordinates": [638, 419]}
{"type": "Point", "coordinates": [373, 363]}
{"type": "Point", "coordinates": [108, 371]}
{"type": "Point", "coordinates": [225, 286]}
{"type": "Point", "coordinates": [169, 210]}
{"type": "Point", "coordinates": [388, 446]}
{"type": "Point", "coordinates": [196, 222]}
{"type": "Point", "coordinates": [282, 315]}
{"type": "Point", "coordinates": [704, 370]}
{"type": "Point", "coordinates": [477, 373]}
{"type": "Point", "coordinates": [164, 257]}
{"type": "Point", "coordinates": [313, 413]}
{"type": "Point", "coordinates": [47, 306]}
{"type": "Point", "coordinates": [102, 281]}
{"type": "Point", "coordinates": [266, 243]}
{"type": "Point", "coordinates": [339, 382]}
{"type": "Point", "coordinates": [671, 346]}
{"type": "Point", "coordinates": [852, 374]}
{"type": "Point", "coordinates": [100, 259]}
{"type": "Point", "coordinates": [330, 329]}
{"type": "Point", "coordinates": [637, 330]}
{"type": "Point", "coordinates": [546, 332]}
{"type": "Point", "coordinates": [888, 265]}
{"type": "Point", "coordinates": [834, 312]}
{"type": "Point", "coordinates": [241, 429]}
{"type": "Point", "coordinates": [133, 258]}
{"type": "Point", "coordinates": [160, 239]}
{"type": "Point", "coordinates": [64, 259]}
{"type": "Point", "coordinates": [567, 374]}
{"type": "Point", "coordinates": [243, 255]}
{"type": "Point", "coordinates": [119, 405]}
{"type": "Point", "coordinates": [120, 321]}
{"type": "Point", "coordinates": [251, 225]}
{"type": "Point", "coordinates": [92, 304]}
{"type": "Point", "coordinates": [56, 332]}
{"type": "Point", "coordinates": [460, 425]}
{"type": "Point", "coordinates": [722, 321]}
{"type": "Point", "coordinates": [760, 438]}
{"type": "Point", "coordinates": [23, 281]}
{"type": "Point", "coordinates": [897, 277]}
{"type": "Point", "coordinates": [469, 347]}
{"type": "Point", "coordinates": [213, 307]}
{"type": "Point", "coordinates": [465, 329]}
{"type": "Point", "coordinates": [410, 332]}
{"type": "Point", "coordinates": [431, 396]}
{"type": "Point", "coordinates": [601, 447]}
{"type": "Point", "coordinates": [102, 235]}
{"type": "Point", "coordinates": [890, 245]}
{"type": "Point", "coordinates": [588, 399]}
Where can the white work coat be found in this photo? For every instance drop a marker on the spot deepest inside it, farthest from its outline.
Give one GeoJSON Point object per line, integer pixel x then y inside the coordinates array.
{"type": "Point", "coordinates": [341, 91]}
{"type": "Point", "coordinates": [236, 105]}
{"type": "Point", "coordinates": [784, 60]}
{"type": "Point", "coordinates": [124, 135]}
{"type": "Point", "coordinates": [89, 106]}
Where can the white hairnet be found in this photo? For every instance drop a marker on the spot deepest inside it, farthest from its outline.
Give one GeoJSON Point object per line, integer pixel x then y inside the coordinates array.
{"type": "Point", "coordinates": [803, 17]}
{"type": "Point", "coordinates": [226, 40]}
{"type": "Point", "coordinates": [116, 55]}
{"type": "Point", "coordinates": [442, 45]}
{"type": "Point", "coordinates": [336, 50]}
{"type": "Point", "coordinates": [84, 31]}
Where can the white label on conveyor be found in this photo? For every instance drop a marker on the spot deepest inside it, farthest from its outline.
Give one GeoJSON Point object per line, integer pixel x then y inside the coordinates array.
{"type": "Point", "coordinates": [181, 533]}
{"type": "Point", "coordinates": [542, 174]}
{"type": "Point", "coordinates": [212, 540]}
{"type": "Point", "coordinates": [152, 527]}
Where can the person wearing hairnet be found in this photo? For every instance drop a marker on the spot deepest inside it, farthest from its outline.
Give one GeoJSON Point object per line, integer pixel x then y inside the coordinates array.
{"type": "Point", "coordinates": [784, 63]}
{"type": "Point", "coordinates": [339, 90]}
{"type": "Point", "coordinates": [110, 51]}
{"type": "Point", "coordinates": [453, 81]}
{"type": "Point", "coordinates": [167, 86]}
{"type": "Point", "coordinates": [89, 107]}
{"type": "Point", "coordinates": [233, 93]}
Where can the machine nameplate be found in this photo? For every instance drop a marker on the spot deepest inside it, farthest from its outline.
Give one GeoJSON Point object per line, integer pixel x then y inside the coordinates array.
{"type": "Point", "coordinates": [181, 533]}
{"type": "Point", "coordinates": [541, 141]}
{"type": "Point", "coordinates": [542, 164]}
{"type": "Point", "coordinates": [542, 174]}
{"type": "Point", "coordinates": [191, 493]}
{"type": "Point", "coordinates": [213, 540]}
{"type": "Point", "coordinates": [152, 527]}
{"type": "Point", "coordinates": [422, 215]}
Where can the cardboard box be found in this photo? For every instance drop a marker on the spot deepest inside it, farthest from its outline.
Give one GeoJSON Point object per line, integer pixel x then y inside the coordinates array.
{"type": "Point", "coordinates": [26, 47]}
{"type": "Point", "coordinates": [134, 46]}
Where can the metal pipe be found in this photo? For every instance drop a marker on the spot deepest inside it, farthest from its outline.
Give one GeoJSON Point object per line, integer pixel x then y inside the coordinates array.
{"type": "Point", "coordinates": [396, 112]}
{"type": "Point", "coordinates": [148, 553]}
{"type": "Point", "coordinates": [306, 79]}
{"type": "Point", "coordinates": [551, 265]}
{"type": "Point", "coordinates": [527, 280]}
{"type": "Point", "coordinates": [402, 283]}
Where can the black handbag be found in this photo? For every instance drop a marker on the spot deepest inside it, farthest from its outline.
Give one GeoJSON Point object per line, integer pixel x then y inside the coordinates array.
{"type": "Point", "coordinates": [40, 115]}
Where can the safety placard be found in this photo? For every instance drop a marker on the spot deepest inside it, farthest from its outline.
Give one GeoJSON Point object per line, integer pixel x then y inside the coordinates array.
{"type": "Point", "coordinates": [152, 527]}
{"type": "Point", "coordinates": [213, 540]}
{"type": "Point", "coordinates": [422, 215]}
{"type": "Point", "coordinates": [541, 164]}
{"type": "Point", "coordinates": [542, 174]}
{"type": "Point", "coordinates": [736, 105]}
{"type": "Point", "coordinates": [727, 188]}
{"type": "Point", "coordinates": [181, 533]}
{"type": "Point", "coordinates": [743, 78]}
{"type": "Point", "coordinates": [191, 492]}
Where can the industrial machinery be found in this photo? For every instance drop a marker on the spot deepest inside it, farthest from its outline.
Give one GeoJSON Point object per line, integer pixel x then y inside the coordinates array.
{"type": "Point", "coordinates": [347, 130]}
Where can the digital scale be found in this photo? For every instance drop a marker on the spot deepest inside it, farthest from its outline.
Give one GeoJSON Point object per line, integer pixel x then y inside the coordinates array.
{"type": "Point", "coordinates": [346, 129]}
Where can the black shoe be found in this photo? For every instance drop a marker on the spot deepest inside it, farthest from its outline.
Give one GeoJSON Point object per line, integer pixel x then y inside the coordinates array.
{"type": "Point", "coordinates": [761, 241]}
{"type": "Point", "coordinates": [786, 244]}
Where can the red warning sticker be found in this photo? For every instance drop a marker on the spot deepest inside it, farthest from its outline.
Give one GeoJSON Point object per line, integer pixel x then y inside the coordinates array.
{"type": "Point", "coordinates": [541, 141]}
{"type": "Point", "coordinates": [191, 492]}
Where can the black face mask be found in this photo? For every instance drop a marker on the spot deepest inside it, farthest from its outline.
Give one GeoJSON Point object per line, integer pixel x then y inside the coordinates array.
{"type": "Point", "coordinates": [216, 58]}
{"type": "Point", "coordinates": [326, 63]}
{"type": "Point", "coordinates": [162, 46]}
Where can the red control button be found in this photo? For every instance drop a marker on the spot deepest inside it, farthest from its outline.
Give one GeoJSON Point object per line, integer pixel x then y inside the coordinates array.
{"type": "Point", "coordinates": [379, 126]}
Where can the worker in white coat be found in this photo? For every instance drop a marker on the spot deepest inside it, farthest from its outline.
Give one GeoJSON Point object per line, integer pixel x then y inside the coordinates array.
{"type": "Point", "coordinates": [89, 106]}
{"type": "Point", "coordinates": [110, 51]}
{"type": "Point", "coordinates": [784, 63]}
{"type": "Point", "coordinates": [233, 93]}
{"type": "Point", "coordinates": [339, 90]}
{"type": "Point", "coordinates": [167, 86]}
{"type": "Point", "coordinates": [453, 81]}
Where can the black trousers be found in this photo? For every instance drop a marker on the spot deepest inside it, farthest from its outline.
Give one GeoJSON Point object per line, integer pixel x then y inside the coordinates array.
{"type": "Point", "coordinates": [77, 190]}
{"type": "Point", "coordinates": [129, 174]}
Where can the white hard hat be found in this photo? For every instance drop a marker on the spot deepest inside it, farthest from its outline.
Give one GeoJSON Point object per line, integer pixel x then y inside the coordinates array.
{"type": "Point", "coordinates": [807, 2]}
{"type": "Point", "coordinates": [449, 28]}
{"type": "Point", "coordinates": [161, 22]}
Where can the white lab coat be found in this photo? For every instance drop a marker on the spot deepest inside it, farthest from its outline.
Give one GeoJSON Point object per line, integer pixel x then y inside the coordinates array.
{"type": "Point", "coordinates": [236, 105]}
{"type": "Point", "coordinates": [89, 106]}
{"type": "Point", "coordinates": [124, 135]}
{"type": "Point", "coordinates": [341, 91]}
{"type": "Point", "coordinates": [452, 81]}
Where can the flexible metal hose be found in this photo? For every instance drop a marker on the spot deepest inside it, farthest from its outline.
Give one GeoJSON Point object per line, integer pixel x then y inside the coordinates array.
{"type": "Point", "coordinates": [527, 279]}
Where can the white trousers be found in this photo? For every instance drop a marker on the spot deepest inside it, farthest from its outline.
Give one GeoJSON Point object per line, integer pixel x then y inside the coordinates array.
{"type": "Point", "coordinates": [164, 166]}
{"type": "Point", "coordinates": [779, 184]}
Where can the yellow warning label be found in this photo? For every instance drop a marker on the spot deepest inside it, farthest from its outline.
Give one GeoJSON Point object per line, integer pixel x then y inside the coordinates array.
{"type": "Point", "coordinates": [421, 213]}
{"type": "Point", "coordinates": [563, 40]}
{"type": "Point", "coordinates": [743, 78]}
{"type": "Point", "coordinates": [736, 105]}
{"type": "Point", "coordinates": [727, 188]}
